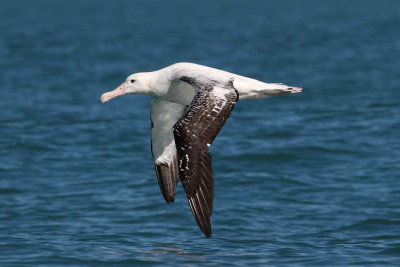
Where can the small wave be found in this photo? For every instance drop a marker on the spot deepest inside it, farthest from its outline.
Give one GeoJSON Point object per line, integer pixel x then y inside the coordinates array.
{"type": "Point", "coordinates": [6, 191]}
{"type": "Point", "coordinates": [371, 223]}
{"type": "Point", "coordinates": [395, 251]}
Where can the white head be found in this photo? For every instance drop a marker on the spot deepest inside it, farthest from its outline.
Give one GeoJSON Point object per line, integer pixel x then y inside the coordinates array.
{"type": "Point", "coordinates": [138, 83]}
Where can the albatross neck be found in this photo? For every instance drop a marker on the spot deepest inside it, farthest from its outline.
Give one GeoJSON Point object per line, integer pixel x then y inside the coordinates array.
{"type": "Point", "coordinates": [160, 82]}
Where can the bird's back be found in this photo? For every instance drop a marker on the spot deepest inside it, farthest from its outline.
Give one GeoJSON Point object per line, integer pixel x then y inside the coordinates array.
{"type": "Point", "coordinates": [247, 88]}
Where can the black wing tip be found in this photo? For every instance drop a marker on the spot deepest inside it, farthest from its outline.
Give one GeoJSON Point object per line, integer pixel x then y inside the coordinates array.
{"type": "Point", "coordinates": [169, 199]}
{"type": "Point", "coordinates": [202, 220]}
{"type": "Point", "coordinates": [207, 232]}
{"type": "Point", "coordinates": [206, 229]}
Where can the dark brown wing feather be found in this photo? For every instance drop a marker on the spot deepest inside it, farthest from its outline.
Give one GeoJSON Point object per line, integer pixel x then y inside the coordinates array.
{"type": "Point", "coordinates": [168, 176]}
{"type": "Point", "coordinates": [194, 132]}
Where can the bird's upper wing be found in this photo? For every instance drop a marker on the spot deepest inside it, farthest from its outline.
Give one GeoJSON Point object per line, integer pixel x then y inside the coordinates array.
{"type": "Point", "coordinates": [194, 132]}
{"type": "Point", "coordinates": [164, 115]}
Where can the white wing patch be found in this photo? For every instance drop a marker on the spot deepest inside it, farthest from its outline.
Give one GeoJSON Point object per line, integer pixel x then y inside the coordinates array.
{"type": "Point", "coordinates": [164, 115]}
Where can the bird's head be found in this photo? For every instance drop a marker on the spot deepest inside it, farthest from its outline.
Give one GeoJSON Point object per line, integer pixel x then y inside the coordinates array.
{"type": "Point", "coordinates": [138, 83]}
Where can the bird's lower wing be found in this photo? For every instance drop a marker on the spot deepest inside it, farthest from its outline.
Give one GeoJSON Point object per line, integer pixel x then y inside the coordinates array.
{"type": "Point", "coordinates": [164, 115]}
{"type": "Point", "coordinates": [194, 133]}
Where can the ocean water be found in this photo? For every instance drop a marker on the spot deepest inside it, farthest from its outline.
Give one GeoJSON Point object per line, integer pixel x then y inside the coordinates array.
{"type": "Point", "coordinates": [311, 179]}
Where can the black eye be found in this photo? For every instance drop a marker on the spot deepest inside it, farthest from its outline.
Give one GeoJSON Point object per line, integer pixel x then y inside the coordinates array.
{"type": "Point", "coordinates": [132, 81]}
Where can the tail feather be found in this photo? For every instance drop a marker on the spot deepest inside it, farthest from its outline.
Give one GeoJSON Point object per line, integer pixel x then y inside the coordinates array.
{"type": "Point", "coordinates": [250, 89]}
{"type": "Point", "coordinates": [285, 91]}
{"type": "Point", "coordinates": [275, 89]}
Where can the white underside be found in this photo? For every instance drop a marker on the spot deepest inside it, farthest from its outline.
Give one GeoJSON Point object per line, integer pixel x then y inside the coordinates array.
{"type": "Point", "coordinates": [164, 115]}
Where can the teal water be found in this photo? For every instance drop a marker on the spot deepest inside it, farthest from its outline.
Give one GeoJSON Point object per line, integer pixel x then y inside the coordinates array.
{"type": "Point", "coordinates": [311, 179]}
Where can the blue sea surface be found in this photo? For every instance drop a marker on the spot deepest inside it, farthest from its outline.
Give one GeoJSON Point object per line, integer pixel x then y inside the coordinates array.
{"type": "Point", "coordinates": [311, 179]}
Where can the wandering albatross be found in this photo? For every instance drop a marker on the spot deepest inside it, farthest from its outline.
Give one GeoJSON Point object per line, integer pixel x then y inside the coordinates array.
{"type": "Point", "coordinates": [192, 103]}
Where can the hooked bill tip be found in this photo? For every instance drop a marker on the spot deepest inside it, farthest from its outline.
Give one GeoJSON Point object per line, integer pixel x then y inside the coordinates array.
{"type": "Point", "coordinates": [103, 99]}
{"type": "Point", "coordinates": [120, 90]}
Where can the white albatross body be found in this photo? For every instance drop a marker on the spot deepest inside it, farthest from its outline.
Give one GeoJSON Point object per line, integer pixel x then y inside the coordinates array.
{"type": "Point", "coordinates": [192, 103]}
